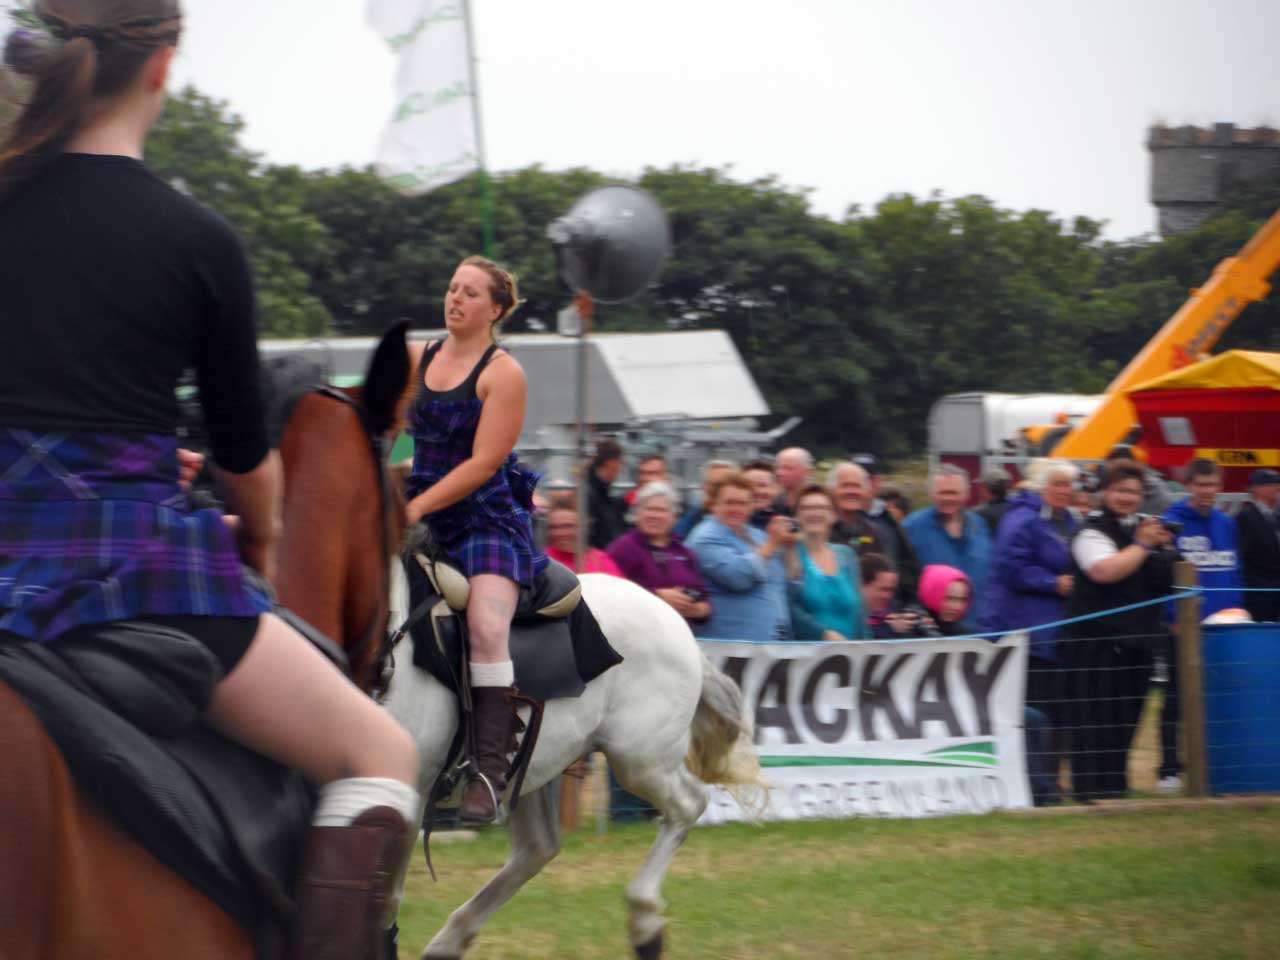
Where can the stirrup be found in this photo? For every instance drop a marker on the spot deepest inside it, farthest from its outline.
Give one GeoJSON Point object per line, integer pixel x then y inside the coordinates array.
{"type": "Point", "coordinates": [499, 811]}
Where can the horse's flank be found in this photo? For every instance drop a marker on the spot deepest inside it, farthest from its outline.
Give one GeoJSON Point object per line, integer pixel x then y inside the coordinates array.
{"type": "Point", "coordinates": [85, 883]}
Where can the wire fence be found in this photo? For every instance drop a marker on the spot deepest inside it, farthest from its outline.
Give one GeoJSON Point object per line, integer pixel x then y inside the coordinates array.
{"type": "Point", "coordinates": [1183, 709]}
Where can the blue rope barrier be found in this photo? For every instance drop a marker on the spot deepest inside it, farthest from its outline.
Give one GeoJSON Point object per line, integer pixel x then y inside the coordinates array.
{"type": "Point", "coordinates": [1182, 592]}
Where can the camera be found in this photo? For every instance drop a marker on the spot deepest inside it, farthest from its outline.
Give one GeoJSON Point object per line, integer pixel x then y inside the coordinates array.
{"type": "Point", "coordinates": [695, 595]}
{"type": "Point", "coordinates": [925, 626]}
{"type": "Point", "coordinates": [1173, 526]}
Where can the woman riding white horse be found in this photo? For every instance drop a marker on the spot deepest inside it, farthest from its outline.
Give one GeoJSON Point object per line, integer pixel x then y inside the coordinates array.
{"type": "Point", "coordinates": [476, 498]}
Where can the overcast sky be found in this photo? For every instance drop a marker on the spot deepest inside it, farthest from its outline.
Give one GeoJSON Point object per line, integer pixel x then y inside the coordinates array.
{"type": "Point", "coordinates": [1030, 102]}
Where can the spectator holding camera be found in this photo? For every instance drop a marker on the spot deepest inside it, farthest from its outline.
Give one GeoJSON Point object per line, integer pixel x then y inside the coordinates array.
{"type": "Point", "coordinates": [1119, 558]}
{"type": "Point", "coordinates": [766, 501]}
{"type": "Point", "coordinates": [744, 568]}
{"type": "Point", "coordinates": [825, 589]}
{"type": "Point", "coordinates": [654, 557]}
{"type": "Point", "coordinates": [886, 617]}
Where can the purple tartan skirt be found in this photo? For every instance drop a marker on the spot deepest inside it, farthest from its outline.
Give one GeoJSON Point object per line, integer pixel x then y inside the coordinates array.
{"type": "Point", "coordinates": [94, 528]}
{"type": "Point", "coordinates": [491, 531]}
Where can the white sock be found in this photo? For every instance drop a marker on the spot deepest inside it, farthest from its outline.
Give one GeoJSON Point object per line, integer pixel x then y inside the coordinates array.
{"type": "Point", "coordinates": [341, 801]}
{"type": "Point", "coordinates": [493, 674]}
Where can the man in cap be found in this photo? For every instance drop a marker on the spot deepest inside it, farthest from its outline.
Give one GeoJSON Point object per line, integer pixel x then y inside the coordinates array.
{"type": "Point", "coordinates": [1258, 528]}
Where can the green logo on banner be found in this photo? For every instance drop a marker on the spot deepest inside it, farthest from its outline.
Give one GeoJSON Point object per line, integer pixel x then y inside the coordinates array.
{"type": "Point", "coordinates": [979, 754]}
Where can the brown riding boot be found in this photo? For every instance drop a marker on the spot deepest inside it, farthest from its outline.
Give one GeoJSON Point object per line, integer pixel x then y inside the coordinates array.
{"type": "Point", "coordinates": [495, 732]}
{"type": "Point", "coordinates": [345, 887]}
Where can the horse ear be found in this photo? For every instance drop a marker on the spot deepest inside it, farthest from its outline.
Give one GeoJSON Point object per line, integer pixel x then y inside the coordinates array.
{"type": "Point", "coordinates": [386, 378]}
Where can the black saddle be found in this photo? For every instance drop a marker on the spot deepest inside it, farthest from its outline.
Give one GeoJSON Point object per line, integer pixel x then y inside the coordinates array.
{"type": "Point", "coordinates": [123, 704]}
{"type": "Point", "coordinates": [557, 647]}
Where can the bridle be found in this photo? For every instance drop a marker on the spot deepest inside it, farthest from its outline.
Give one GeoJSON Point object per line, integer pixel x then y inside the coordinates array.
{"type": "Point", "coordinates": [378, 449]}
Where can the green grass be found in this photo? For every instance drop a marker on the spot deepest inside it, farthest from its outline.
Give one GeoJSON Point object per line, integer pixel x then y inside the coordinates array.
{"type": "Point", "coordinates": [1202, 883]}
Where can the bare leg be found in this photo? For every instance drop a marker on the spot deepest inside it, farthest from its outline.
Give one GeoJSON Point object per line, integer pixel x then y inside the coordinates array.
{"type": "Point", "coordinates": [535, 840]}
{"type": "Point", "coordinates": [489, 613]}
{"type": "Point", "coordinates": [286, 701]}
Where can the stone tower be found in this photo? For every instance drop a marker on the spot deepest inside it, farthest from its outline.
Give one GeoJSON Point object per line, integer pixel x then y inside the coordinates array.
{"type": "Point", "coordinates": [1192, 168]}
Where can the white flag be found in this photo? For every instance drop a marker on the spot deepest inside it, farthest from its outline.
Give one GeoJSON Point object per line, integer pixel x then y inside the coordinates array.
{"type": "Point", "coordinates": [432, 138]}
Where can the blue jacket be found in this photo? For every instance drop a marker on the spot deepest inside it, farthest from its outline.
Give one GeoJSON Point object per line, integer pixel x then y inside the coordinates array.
{"type": "Point", "coordinates": [970, 552]}
{"type": "Point", "coordinates": [1022, 584]}
{"type": "Point", "coordinates": [1210, 543]}
{"type": "Point", "coordinates": [748, 596]}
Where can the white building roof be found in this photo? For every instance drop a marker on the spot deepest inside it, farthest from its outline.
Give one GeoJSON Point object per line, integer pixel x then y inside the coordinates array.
{"type": "Point", "coordinates": [696, 374]}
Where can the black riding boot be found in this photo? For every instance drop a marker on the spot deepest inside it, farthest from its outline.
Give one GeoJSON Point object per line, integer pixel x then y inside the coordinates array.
{"type": "Point", "coordinates": [495, 723]}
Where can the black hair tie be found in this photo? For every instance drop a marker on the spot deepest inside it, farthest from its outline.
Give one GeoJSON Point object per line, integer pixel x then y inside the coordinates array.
{"type": "Point", "coordinates": [86, 32]}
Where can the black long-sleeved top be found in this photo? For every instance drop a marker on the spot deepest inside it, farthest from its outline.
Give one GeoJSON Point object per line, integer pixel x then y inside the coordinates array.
{"type": "Point", "coordinates": [112, 283]}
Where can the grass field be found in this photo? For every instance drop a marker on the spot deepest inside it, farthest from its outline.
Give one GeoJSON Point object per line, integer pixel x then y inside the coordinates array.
{"type": "Point", "coordinates": [1166, 884]}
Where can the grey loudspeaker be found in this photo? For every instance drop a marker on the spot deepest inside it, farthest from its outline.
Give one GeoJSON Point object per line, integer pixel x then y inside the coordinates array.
{"type": "Point", "coordinates": [612, 242]}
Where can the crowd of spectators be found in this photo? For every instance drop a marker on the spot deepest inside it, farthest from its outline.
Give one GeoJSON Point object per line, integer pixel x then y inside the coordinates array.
{"type": "Point", "coordinates": [764, 553]}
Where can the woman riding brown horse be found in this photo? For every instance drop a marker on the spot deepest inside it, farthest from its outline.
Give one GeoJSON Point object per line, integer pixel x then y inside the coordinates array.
{"type": "Point", "coordinates": [72, 884]}
{"type": "Point", "coordinates": [116, 283]}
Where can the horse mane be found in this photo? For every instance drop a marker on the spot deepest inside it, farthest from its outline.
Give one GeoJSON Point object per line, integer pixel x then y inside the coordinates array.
{"type": "Point", "coordinates": [285, 380]}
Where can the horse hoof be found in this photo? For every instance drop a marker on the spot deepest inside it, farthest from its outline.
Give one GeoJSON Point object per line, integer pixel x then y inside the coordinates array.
{"type": "Point", "coordinates": [651, 950]}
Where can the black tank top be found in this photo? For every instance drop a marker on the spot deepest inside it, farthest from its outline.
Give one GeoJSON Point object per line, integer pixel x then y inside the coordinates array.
{"type": "Point", "coordinates": [466, 390]}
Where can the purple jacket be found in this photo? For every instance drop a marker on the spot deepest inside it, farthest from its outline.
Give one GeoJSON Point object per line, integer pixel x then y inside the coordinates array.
{"type": "Point", "coordinates": [656, 567]}
{"type": "Point", "coordinates": [1021, 588]}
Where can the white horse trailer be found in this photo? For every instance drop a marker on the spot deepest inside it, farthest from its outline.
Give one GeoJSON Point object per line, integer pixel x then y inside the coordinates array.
{"type": "Point", "coordinates": [979, 430]}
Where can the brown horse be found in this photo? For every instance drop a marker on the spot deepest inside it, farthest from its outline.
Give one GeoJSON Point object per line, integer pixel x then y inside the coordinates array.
{"type": "Point", "coordinates": [73, 885]}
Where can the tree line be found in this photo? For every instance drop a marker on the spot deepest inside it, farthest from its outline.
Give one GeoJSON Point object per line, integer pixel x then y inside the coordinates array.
{"type": "Point", "coordinates": [856, 324]}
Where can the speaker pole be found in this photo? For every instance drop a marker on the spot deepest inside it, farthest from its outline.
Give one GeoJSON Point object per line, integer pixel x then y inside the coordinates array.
{"type": "Point", "coordinates": [586, 308]}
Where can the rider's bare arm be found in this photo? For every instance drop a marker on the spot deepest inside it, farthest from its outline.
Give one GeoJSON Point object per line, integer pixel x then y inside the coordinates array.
{"type": "Point", "coordinates": [502, 390]}
{"type": "Point", "coordinates": [257, 498]}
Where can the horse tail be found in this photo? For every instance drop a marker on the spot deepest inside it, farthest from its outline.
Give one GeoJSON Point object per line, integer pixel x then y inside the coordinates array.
{"type": "Point", "coordinates": [721, 750]}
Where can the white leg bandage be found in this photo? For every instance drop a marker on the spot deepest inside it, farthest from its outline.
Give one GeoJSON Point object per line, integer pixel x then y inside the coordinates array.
{"type": "Point", "coordinates": [493, 674]}
{"type": "Point", "coordinates": [341, 801]}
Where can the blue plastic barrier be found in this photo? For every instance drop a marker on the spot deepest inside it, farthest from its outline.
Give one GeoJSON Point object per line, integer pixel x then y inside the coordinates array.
{"type": "Point", "coordinates": [1242, 707]}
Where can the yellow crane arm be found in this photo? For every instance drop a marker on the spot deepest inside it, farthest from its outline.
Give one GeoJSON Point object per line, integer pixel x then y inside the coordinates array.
{"type": "Point", "coordinates": [1192, 331]}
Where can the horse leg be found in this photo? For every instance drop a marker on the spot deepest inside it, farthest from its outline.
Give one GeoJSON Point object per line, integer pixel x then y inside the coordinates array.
{"type": "Point", "coordinates": [535, 840]}
{"type": "Point", "coordinates": [680, 797]}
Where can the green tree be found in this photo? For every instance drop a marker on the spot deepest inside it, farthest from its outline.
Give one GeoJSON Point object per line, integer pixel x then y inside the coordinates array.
{"type": "Point", "coordinates": [196, 147]}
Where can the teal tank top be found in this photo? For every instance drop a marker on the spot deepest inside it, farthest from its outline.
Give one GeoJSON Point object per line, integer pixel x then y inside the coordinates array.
{"type": "Point", "coordinates": [831, 599]}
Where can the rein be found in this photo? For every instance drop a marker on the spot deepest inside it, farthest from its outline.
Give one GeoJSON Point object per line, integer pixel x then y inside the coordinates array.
{"type": "Point", "coordinates": [378, 449]}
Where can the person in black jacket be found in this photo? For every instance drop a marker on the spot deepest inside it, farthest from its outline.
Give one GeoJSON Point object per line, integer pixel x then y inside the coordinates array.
{"type": "Point", "coordinates": [606, 515]}
{"type": "Point", "coordinates": [1119, 558]}
{"type": "Point", "coordinates": [1258, 527]}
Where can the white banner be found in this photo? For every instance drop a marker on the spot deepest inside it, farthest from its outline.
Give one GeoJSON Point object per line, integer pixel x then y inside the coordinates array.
{"type": "Point", "coordinates": [432, 138]}
{"type": "Point", "coordinates": [907, 729]}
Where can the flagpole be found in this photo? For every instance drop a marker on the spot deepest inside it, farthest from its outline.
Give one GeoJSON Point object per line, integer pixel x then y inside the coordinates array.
{"type": "Point", "coordinates": [482, 174]}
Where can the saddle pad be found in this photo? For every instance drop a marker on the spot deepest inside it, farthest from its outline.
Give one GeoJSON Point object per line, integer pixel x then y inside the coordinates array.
{"type": "Point", "coordinates": [553, 659]}
{"type": "Point", "coordinates": [226, 819]}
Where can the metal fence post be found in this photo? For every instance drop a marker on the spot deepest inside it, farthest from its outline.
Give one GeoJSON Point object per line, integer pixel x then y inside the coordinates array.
{"type": "Point", "coordinates": [1191, 682]}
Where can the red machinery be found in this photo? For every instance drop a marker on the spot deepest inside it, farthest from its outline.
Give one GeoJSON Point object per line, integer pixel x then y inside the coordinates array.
{"type": "Point", "coordinates": [1226, 408]}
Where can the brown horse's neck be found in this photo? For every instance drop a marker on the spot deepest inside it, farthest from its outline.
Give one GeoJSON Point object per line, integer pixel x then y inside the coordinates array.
{"type": "Point", "coordinates": [333, 562]}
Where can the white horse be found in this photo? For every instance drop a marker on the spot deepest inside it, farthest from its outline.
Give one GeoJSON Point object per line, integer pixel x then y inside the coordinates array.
{"type": "Point", "coordinates": [667, 720]}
